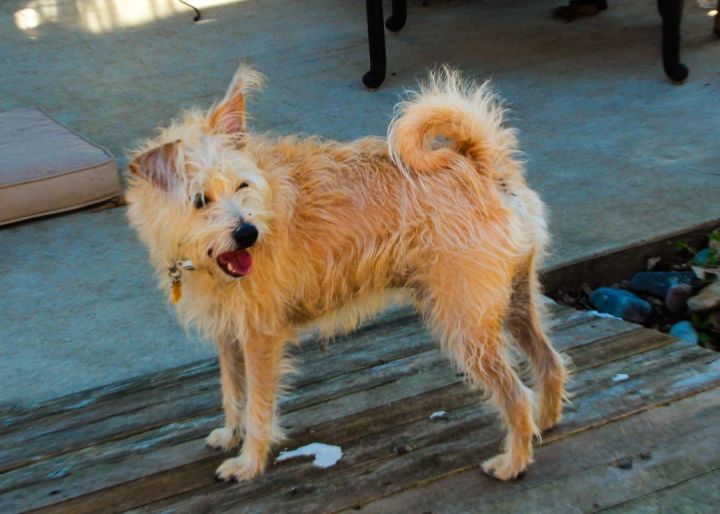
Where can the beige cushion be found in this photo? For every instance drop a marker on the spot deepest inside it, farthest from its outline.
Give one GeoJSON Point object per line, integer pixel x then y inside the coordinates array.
{"type": "Point", "coordinates": [47, 168]}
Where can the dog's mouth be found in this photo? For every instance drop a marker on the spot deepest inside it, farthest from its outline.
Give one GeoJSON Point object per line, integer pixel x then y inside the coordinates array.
{"type": "Point", "coordinates": [237, 263]}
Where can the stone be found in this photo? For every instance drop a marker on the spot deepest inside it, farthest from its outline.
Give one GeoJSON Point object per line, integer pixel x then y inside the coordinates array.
{"type": "Point", "coordinates": [677, 297]}
{"type": "Point", "coordinates": [707, 299]}
{"type": "Point", "coordinates": [657, 283]}
{"type": "Point", "coordinates": [703, 257]}
{"type": "Point", "coordinates": [684, 330]}
{"type": "Point", "coordinates": [620, 303]}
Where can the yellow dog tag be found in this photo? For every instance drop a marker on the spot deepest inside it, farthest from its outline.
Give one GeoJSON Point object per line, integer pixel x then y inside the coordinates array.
{"type": "Point", "coordinates": [176, 292]}
{"type": "Point", "coordinates": [175, 270]}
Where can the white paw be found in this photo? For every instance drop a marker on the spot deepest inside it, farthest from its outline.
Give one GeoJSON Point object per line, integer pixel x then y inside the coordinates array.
{"type": "Point", "coordinates": [239, 468]}
{"type": "Point", "coordinates": [224, 438]}
{"type": "Point", "coordinates": [502, 468]}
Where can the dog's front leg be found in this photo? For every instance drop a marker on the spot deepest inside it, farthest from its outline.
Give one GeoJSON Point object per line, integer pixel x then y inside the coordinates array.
{"type": "Point", "coordinates": [232, 380]}
{"type": "Point", "coordinates": [263, 366]}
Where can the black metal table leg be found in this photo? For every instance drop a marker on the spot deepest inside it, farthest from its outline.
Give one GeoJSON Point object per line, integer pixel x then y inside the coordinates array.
{"type": "Point", "coordinates": [716, 23]}
{"type": "Point", "coordinates": [376, 39]}
{"type": "Point", "coordinates": [397, 19]}
{"type": "Point", "coordinates": [671, 13]}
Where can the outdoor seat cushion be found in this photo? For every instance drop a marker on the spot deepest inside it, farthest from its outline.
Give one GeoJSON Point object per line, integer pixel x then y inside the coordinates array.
{"type": "Point", "coordinates": [47, 168]}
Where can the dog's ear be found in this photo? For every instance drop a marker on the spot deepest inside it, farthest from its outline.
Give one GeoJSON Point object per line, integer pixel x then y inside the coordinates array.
{"type": "Point", "coordinates": [228, 116]}
{"type": "Point", "coordinates": [159, 166]}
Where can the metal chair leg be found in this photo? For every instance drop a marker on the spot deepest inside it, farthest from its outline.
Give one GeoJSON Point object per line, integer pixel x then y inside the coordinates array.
{"type": "Point", "coordinates": [397, 19]}
{"type": "Point", "coordinates": [376, 38]}
{"type": "Point", "coordinates": [671, 13]}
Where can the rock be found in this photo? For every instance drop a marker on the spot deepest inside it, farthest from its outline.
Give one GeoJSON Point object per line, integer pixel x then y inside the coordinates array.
{"type": "Point", "coordinates": [684, 330]}
{"type": "Point", "coordinates": [707, 299]}
{"type": "Point", "coordinates": [677, 297]}
{"type": "Point", "coordinates": [657, 283]}
{"type": "Point", "coordinates": [703, 257]}
{"type": "Point", "coordinates": [620, 303]}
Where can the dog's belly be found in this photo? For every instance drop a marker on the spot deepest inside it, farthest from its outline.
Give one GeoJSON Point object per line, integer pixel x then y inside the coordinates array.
{"type": "Point", "coordinates": [347, 317]}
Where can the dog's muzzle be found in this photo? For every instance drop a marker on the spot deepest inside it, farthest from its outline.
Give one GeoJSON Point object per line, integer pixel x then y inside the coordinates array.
{"type": "Point", "coordinates": [238, 263]}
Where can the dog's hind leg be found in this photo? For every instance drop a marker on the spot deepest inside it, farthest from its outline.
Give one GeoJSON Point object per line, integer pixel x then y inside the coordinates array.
{"type": "Point", "coordinates": [263, 368]}
{"type": "Point", "coordinates": [524, 323]}
{"type": "Point", "coordinates": [464, 299]}
{"type": "Point", "coordinates": [232, 380]}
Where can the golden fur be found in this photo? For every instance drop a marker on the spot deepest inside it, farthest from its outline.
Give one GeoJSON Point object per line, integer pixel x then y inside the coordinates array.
{"type": "Point", "coordinates": [439, 214]}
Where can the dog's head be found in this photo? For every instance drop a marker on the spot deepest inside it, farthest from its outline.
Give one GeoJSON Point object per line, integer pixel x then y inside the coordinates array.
{"type": "Point", "coordinates": [196, 193]}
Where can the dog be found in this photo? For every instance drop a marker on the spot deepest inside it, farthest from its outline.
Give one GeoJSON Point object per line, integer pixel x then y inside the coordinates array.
{"type": "Point", "coordinates": [268, 237]}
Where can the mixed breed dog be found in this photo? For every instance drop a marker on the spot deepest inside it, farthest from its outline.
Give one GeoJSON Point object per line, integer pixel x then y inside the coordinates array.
{"type": "Point", "coordinates": [265, 238]}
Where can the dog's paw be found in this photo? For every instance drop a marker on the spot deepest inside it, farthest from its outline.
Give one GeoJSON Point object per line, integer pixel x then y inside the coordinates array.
{"type": "Point", "coordinates": [224, 438]}
{"type": "Point", "coordinates": [237, 469]}
{"type": "Point", "coordinates": [502, 468]}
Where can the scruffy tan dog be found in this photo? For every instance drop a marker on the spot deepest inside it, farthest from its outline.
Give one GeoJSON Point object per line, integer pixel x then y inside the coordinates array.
{"type": "Point", "coordinates": [290, 234]}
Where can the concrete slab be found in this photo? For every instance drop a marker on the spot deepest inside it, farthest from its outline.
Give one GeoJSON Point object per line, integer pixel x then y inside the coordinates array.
{"type": "Point", "coordinates": [80, 307]}
{"type": "Point", "coordinates": [618, 153]}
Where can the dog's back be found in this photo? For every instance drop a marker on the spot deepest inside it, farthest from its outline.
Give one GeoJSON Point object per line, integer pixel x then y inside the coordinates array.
{"type": "Point", "coordinates": [456, 127]}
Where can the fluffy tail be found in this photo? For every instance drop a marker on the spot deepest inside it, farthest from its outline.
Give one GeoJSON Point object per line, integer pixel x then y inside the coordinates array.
{"type": "Point", "coordinates": [468, 116]}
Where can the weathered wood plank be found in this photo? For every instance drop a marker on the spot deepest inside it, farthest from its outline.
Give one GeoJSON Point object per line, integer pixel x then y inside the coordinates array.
{"type": "Point", "coordinates": [667, 445]}
{"type": "Point", "coordinates": [468, 436]}
{"type": "Point", "coordinates": [148, 407]}
{"type": "Point", "coordinates": [342, 356]}
{"type": "Point", "coordinates": [55, 470]}
{"type": "Point", "coordinates": [370, 468]}
{"type": "Point", "coordinates": [697, 495]}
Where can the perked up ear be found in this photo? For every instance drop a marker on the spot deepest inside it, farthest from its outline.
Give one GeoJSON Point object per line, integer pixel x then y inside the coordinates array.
{"type": "Point", "coordinates": [160, 166]}
{"type": "Point", "coordinates": [228, 117]}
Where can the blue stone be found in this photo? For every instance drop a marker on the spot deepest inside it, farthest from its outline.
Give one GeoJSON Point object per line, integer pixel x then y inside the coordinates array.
{"type": "Point", "coordinates": [702, 258]}
{"type": "Point", "coordinates": [684, 330]}
{"type": "Point", "coordinates": [620, 303]}
{"type": "Point", "coordinates": [657, 283]}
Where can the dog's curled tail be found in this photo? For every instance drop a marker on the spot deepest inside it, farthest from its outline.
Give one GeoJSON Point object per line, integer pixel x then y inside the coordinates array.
{"type": "Point", "coordinates": [468, 116]}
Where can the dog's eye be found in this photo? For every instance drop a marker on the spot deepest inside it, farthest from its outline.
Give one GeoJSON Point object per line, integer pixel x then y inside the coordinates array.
{"type": "Point", "coordinates": [200, 200]}
{"type": "Point", "coordinates": [243, 186]}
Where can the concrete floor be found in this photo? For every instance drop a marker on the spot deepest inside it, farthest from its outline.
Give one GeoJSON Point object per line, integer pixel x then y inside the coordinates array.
{"type": "Point", "coordinates": [618, 152]}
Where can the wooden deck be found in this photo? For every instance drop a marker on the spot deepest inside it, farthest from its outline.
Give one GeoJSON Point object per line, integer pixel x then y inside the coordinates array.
{"type": "Point", "coordinates": [649, 443]}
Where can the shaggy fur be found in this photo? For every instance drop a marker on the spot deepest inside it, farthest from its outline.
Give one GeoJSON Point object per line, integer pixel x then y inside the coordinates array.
{"type": "Point", "coordinates": [439, 214]}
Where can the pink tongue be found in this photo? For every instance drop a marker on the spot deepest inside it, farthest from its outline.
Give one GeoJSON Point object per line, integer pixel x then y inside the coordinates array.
{"type": "Point", "coordinates": [238, 262]}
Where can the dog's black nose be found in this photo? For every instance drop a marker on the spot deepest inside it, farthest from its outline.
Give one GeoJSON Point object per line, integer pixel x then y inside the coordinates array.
{"type": "Point", "coordinates": [245, 235]}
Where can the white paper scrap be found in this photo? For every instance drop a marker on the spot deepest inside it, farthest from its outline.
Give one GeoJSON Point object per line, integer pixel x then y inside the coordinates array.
{"type": "Point", "coordinates": [621, 377]}
{"type": "Point", "coordinates": [326, 455]}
